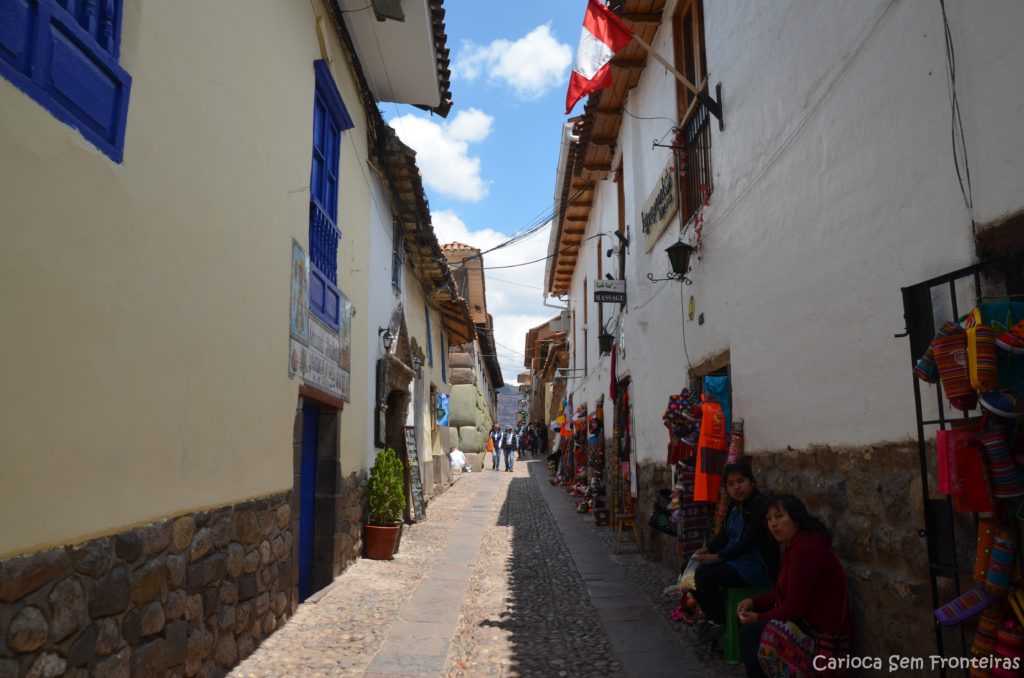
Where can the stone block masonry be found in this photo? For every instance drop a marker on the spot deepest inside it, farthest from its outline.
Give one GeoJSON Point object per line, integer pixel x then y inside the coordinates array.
{"type": "Point", "coordinates": [184, 596]}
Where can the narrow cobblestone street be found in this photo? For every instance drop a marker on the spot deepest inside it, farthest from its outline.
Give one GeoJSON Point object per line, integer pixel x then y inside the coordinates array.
{"type": "Point", "coordinates": [503, 579]}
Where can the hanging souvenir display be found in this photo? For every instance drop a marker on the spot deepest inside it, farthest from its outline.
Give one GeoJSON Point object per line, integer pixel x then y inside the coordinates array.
{"type": "Point", "coordinates": [978, 362]}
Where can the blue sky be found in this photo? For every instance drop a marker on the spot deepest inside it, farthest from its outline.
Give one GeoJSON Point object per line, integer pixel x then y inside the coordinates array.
{"type": "Point", "coordinates": [489, 169]}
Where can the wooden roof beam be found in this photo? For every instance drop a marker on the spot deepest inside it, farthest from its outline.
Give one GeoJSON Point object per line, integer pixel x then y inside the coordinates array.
{"type": "Point", "coordinates": [642, 17]}
{"type": "Point", "coordinates": [629, 64]}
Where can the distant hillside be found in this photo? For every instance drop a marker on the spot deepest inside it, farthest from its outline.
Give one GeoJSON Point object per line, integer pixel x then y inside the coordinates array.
{"type": "Point", "coordinates": [508, 405]}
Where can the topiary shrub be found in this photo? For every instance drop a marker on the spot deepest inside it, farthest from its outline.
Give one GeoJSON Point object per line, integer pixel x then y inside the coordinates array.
{"type": "Point", "coordinates": [385, 490]}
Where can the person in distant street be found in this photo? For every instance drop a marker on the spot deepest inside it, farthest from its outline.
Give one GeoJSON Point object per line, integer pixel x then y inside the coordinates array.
{"type": "Point", "coordinates": [526, 441]}
{"type": "Point", "coordinates": [494, 446]}
{"type": "Point", "coordinates": [508, 446]}
{"type": "Point", "coordinates": [544, 439]}
{"type": "Point", "coordinates": [458, 459]}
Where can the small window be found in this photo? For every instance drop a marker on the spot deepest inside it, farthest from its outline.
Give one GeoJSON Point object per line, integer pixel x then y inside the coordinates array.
{"type": "Point", "coordinates": [430, 341]}
{"type": "Point", "coordinates": [397, 254]}
{"type": "Point", "coordinates": [64, 54]}
{"type": "Point", "coordinates": [330, 119]}
{"type": "Point", "coordinates": [694, 136]}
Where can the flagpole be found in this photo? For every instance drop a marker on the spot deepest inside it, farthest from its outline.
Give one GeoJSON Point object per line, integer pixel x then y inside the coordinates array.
{"type": "Point", "coordinates": [679, 76]}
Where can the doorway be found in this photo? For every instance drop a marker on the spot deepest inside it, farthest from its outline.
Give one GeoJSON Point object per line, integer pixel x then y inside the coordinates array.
{"type": "Point", "coordinates": [316, 496]}
{"type": "Point", "coordinates": [307, 495]}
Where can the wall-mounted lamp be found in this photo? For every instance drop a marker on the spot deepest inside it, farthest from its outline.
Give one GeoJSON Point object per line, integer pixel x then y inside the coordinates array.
{"type": "Point", "coordinates": [387, 339]}
{"type": "Point", "coordinates": [417, 362]}
{"type": "Point", "coordinates": [605, 341]}
{"type": "Point", "coordinates": [679, 258]}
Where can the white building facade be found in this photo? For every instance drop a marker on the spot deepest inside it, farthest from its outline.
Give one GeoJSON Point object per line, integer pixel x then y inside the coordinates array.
{"type": "Point", "coordinates": [831, 186]}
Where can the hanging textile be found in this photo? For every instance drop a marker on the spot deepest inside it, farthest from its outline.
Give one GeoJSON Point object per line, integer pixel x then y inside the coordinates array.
{"type": "Point", "coordinates": [718, 388]}
{"type": "Point", "coordinates": [735, 454]}
{"type": "Point", "coordinates": [712, 450]}
{"type": "Point", "coordinates": [692, 519]}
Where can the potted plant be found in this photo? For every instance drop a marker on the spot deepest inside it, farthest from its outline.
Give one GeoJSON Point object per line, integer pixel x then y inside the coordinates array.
{"type": "Point", "coordinates": [385, 502]}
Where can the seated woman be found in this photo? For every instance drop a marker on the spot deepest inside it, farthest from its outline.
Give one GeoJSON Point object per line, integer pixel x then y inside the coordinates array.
{"type": "Point", "coordinates": [743, 554]}
{"type": "Point", "coordinates": [806, 619]}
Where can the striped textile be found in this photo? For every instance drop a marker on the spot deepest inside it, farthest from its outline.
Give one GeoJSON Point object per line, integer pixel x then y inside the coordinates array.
{"type": "Point", "coordinates": [986, 537]}
{"type": "Point", "coordinates": [983, 360]}
{"type": "Point", "coordinates": [964, 607]}
{"type": "Point", "coordinates": [1000, 567]}
{"type": "Point", "coordinates": [925, 368]}
{"type": "Point", "coordinates": [1007, 481]}
{"type": "Point", "coordinates": [951, 358]}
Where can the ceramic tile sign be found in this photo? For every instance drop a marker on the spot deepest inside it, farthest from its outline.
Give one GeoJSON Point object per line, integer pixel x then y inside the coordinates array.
{"type": "Point", "coordinates": [417, 510]}
{"type": "Point", "coordinates": [317, 355]}
{"type": "Point", "coordinates": [299, 305]}
{"type": "Point", "coordinates": [317, 364]}
{"type": "Point", "coordinates": [662, 204]}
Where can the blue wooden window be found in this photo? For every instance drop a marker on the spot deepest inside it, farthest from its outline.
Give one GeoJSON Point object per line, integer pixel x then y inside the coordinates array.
{"type": "Point", "coordinates": [63, 54]}
{"type": "Point", "coordinates": [330, 119]}
{"type": "Point", "coordinates": [430, 341]}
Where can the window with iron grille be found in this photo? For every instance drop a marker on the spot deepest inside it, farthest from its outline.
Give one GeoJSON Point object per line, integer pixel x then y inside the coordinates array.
{"type": "Point", "coordinates": [330, 119]}
{"type": "Point", "coordinates": [694, 136]}
{"type": "Point", "coordinates": [64, 54]}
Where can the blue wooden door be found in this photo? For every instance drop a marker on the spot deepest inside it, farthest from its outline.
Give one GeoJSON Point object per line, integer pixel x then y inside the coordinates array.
{"type": "Point", "coordinates": [307, 492]}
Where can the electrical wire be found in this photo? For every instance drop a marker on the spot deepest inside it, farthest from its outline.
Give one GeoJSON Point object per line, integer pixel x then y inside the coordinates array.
{"type": "Point", "coordinates": [957, 123]}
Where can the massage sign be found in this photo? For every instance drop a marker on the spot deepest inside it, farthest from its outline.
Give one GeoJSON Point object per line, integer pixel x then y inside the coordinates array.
{"type": "Point", "coordinates": [661, 206]}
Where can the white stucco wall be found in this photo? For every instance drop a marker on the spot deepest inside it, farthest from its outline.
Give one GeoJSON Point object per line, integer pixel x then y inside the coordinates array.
{"type": "Point", "coordinates": [834, 186]}
{"type": "Point", "coordinates": [145, 353]}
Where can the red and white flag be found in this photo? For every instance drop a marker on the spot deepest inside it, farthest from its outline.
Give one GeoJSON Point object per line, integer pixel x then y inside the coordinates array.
{"type": "Point", "coordinates": [602, 36]}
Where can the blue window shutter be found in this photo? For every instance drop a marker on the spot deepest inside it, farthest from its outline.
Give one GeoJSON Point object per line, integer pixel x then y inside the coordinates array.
{"type": "Point", "coordinates": [330, 119]}
{"type": "Point", "coordinates": [430, 341]}
{"type": "Point", "coordinates": [444, 375]}
{"type": "Point", "coordinates": [63, 54]}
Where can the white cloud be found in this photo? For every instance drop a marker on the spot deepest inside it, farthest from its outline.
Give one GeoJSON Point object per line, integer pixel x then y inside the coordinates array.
{"type": "Point", "coordinates": [532, 65]}
{"type": "Point", "coordinates": [514, 295]}
{"type": "Point", "coordinates": [442, 151]}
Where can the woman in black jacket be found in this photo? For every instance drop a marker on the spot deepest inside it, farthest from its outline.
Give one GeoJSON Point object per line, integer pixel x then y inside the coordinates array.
{"type": "Point", "coordinates": [744, 554]}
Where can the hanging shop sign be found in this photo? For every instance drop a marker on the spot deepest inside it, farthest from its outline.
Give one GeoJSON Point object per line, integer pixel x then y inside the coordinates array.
{"type": "Point", "coordinates": [662, 204]}
{"type": "Point", "coordinates": [609, 291]}
{"type": "Point", "coordinates": [318, 355]}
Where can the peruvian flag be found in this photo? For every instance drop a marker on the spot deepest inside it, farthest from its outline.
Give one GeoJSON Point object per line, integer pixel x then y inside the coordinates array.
{"type": "Point", "coordinates": [602, 36]}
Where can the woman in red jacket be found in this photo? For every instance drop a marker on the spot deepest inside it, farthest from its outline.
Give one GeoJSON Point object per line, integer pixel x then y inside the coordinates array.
{"type": "Point", "coordinates": [806, 620]}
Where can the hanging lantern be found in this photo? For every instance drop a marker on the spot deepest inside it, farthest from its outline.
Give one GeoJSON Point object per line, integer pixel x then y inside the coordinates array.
{"type": "Point", "coordinates": [679, 257]}
{"type": "Point", "coordinates": [604, 342]}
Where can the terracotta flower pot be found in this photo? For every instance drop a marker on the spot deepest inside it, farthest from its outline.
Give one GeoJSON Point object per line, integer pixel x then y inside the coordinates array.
{"type": "Point", "coordinates": [379, 541]}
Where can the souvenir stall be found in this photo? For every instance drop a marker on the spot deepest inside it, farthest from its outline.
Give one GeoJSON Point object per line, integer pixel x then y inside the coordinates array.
{"type": "Point", "coordinates": [620, 468]}
{"type": "Point", "coordinates": [700, 445]}
{"type": "Point", "coordinates": [590, 485]}
{"type": "Point", "coordinates": [968, 376]}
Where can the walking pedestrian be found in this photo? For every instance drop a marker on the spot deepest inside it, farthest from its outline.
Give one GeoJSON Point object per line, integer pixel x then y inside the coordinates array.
{"type": "Point", "coordinates": [508, 446]}
{"type": "Point", "coordinates": [494, 446]}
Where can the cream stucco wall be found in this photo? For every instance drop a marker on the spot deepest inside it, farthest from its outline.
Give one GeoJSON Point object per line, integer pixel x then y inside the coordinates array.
{"type": "Point", "coordinates": [144, 353]}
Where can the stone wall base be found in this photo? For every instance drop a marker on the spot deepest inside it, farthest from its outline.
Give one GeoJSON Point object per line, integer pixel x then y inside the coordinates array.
{"type": "Point", "coordinates": [870, 497]}
{"type": "Point", "coordinates": [183, 596]}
